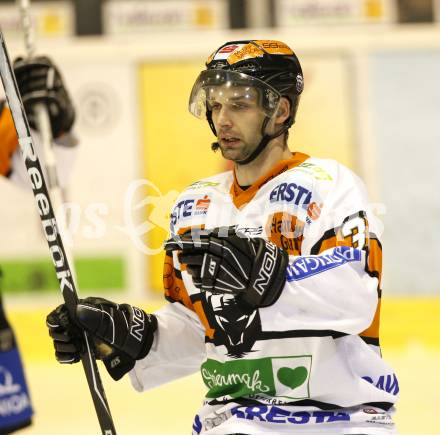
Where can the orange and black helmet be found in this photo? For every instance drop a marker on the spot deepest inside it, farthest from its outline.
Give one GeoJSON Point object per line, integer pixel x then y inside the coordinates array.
{"type": "Point", "coordinates": [269, 66]}
{"type": "Point", "coordinates": [272, 62]}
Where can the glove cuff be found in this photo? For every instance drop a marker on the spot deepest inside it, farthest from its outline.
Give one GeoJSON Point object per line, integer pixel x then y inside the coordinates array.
{"type": "Point", "coordinates": [120, 363]}
{"type": "Point", "coordinates": [151, 329]}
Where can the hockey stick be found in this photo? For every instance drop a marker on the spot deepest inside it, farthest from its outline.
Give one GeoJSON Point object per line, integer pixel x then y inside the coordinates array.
{"type": "Point", "coordinates": [42, 116]}
{"type": "Point", "coordinates": [43, 121]}
{"type": "Point", "coordinates": [50, 229]}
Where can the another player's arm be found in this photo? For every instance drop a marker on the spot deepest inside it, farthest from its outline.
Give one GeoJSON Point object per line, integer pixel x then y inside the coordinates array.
{"type": "Point", "coordinates": [39, 82]}
{"type": "Point", "coordinates": [8, 140]}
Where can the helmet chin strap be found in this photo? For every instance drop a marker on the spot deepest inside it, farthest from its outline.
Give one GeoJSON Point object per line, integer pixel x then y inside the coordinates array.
{"type": "Point", "coordinates": [265, 140]}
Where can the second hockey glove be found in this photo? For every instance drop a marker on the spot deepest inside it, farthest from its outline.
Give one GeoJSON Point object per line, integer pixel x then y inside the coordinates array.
{"type": "Point", "coordinates": [122, 333]}
{"type": "Point", "coordinates": [39, 81]}
{"type": "Point", "coordinates": [251, 268]}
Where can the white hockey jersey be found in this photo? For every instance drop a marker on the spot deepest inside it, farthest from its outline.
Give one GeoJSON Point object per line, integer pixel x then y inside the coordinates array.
{"type": "Point", "coordinates": [309, 363]}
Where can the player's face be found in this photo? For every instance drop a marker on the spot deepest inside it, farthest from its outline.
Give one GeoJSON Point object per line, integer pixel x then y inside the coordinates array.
{"type": "Point", "coordinates": [237, 118]}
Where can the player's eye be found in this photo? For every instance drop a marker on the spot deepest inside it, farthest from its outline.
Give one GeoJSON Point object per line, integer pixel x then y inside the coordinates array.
{"type": "Point", "coordinates": [215, 106]}
{"type": "Point", "coordinates": [240, 106]}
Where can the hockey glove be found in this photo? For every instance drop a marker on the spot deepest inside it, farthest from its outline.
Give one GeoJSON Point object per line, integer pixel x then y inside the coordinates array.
{"type": "Point", "coordinates": [39, 81]}
{"type": "Point", "coordinates": [251, 268]}
{"type": "Point", "coordinates": [121, 334]}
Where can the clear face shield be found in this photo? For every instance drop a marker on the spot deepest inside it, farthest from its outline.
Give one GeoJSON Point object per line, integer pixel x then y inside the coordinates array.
{"type": "Point", "coordinates": [231, 88]}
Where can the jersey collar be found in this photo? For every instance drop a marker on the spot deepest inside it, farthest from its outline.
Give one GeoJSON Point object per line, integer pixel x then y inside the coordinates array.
{"type": "Point", "coordinates": [241, 197]}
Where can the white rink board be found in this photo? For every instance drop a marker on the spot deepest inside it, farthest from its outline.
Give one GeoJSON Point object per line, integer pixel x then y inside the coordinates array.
{"type": "Point", "coordinates": [106, 162]}
{"type": "Point", "coordinates": [406, 113]}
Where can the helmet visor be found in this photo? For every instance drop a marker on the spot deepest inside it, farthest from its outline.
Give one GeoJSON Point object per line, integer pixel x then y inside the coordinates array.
{"type": "Point", "coordinates": [231, 87]}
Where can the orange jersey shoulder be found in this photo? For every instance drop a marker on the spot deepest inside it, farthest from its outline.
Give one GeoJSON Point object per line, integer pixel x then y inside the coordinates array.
{"type": "Point", "coordinates": [8, 141]}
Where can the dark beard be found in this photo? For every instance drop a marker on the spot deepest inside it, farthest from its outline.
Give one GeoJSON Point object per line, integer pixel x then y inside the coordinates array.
{"type": "Point", "coordinates": [215, 146]}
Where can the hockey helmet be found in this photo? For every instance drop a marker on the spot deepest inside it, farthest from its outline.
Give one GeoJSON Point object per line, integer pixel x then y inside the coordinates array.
{"type": "Point", "coordinates": [268, 67]}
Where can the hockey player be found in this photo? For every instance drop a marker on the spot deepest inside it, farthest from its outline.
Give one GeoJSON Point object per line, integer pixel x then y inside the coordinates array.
{"type": "Point", "coordinates": [272, 273]}
{"type": "Point", "coordinates": [39, 81]}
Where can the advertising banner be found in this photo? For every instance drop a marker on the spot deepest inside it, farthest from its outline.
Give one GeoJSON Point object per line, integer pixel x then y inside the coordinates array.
{"type": "Point", "coordinates": [50, 19]}
{"type": "Point", "coordinates": [132, 16]}
{"type": "Point", "coordinates": [293, 12]}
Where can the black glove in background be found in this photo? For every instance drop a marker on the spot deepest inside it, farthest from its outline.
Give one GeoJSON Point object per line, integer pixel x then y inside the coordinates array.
{"type": "Point", "coordinates": [40, 81]}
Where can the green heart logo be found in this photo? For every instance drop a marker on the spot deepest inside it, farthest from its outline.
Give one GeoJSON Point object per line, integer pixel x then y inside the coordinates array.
{"type": "Point", "coordinates": [292, 378]}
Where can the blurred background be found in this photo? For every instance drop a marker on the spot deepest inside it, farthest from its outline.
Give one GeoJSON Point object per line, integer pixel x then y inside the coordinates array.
{"type": "Point", "coordinates": [371, 101]}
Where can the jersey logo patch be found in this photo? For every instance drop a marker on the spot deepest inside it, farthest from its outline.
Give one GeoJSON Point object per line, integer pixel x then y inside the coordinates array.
{"type": "Point", "coordinates": [291, 193]}
{"type": "Point", "coordinates": [286, 231]}
{"type": "Point", "coordinates": [189, 208]}
{"type": "Point", "coordinates": [307, 266]}
{"type": "Point", "coordinates": [236, 330]}
{"type": "Point", "coordinates": [283, 378]}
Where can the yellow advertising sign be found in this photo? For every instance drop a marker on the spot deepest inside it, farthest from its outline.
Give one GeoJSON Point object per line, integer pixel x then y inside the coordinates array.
{"type": "Point", "coordinates": [324, 122]}
{"type": "Point", "coordinates": [176, 146]}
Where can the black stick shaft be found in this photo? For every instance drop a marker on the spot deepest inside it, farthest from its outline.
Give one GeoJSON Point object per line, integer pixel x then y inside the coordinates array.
{"type": "Point", "coordinates": [50, 228]}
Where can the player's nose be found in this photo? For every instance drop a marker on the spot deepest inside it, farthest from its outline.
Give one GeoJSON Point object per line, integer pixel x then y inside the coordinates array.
{"type": "Point", "coordinates": [224, 119]}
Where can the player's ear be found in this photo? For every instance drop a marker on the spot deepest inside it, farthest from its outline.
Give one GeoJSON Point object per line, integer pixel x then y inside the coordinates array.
{"type": "Point", "coordinates": [283, 111]}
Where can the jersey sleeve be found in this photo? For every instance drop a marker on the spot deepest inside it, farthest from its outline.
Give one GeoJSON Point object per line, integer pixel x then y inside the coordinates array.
{"type": "Point", "coordinates": [8, 141]}
{"type": "Point", "coordinates": [179, 346]}
{"type": "Point", "coordinates": [334, 285]}
{"type": "Point", "coordinates": [178, 349]}
{"type": "Point", "coordinates": [65, 151]}
{"type": "Point", "coordinates": [11, 161]}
